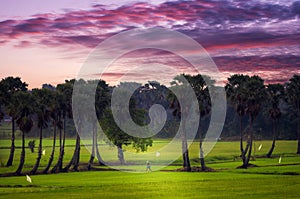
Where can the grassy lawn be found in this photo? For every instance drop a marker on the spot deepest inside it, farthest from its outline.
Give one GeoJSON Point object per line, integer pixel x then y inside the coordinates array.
{"type": "Point", "coordinates": [269, 179]}
{"type": "Point", "coordinates": [110, 184]}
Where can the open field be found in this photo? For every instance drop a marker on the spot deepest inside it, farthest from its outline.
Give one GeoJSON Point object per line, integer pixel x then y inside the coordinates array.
{"type": "Point", "coordinates": [269, 180]}
{"type": "Point", "coordinates": [112, 184]}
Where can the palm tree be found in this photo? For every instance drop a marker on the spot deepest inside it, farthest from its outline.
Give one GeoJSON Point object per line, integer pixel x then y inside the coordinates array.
{"type": "Point", "coordinates": [42, 98]}
{"type": "Point", "coordinates": [178, 84]}
{"type": "Point", "coordinates": [200, 86]}
{"type": "Point", "coordinates": [275, 92]}
{"type": "Point", "coordinates": [2, 100]}
{"type": "Point", "coordinates": [54, 114]}
{"type": "Point", "coordinates": [255, 95]}
{"type": "Point", "coordinates": [293, 97]}
{"type": "Point", "coordinates": [24, 121]}
{"type": "Point", "coordinates": [65, 106]}
{"type": "Point", "coordinates": [235, 90]}
{"type": "Point", "coordinates": [101, 103]}
{"type": "Point", "coordinates": [10, 86]}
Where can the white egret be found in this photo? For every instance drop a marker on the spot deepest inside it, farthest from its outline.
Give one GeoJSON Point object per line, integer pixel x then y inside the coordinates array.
{"type": "Point", "coordinates": [28, 178]}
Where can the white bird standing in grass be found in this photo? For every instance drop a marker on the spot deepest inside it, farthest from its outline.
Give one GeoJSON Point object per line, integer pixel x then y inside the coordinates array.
{"type": "Point", "coordinates": [28, 178]}
{"type": "Point", "coordinates": [279, 161]}
{"type": "Point", "coordinates": [44, 152]}
{"type": "Point", "coordinates": [260, 146]}
{"type": "Point", "coordinates": [157, 154]}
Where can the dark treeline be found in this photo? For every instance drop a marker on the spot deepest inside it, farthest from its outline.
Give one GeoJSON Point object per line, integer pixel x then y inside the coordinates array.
{"type": "Point", "coordinates": [254, 111]}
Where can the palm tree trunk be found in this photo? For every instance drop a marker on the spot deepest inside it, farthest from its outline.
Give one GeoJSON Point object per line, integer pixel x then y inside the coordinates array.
{"type": "Point", "coordinates": [269, 154]}
{"type": "Point", "coordinates": [38, 159]}
{"type": "Point", "coordinates": [202, 162]}
{"type": "Point", "coordinates": [62, 148]}
{"type": "Point", "coordinates": [241, 136]}
{"type": "Point", "coordinates": [77, 156]}
{"type": "Point", "coordinates": [248, 152]}
{"type": "Point", "coordinates": [90, 163]}
{"type": "Point", "coordinates": [12, 147]}
{"type": "Point", "coordinates": [120, 154]}
{"type": "Point", "coordinates": [99, 158]}
{"type": "Point", "coordinates": [185, 152]}
{"type": "Point", "coordinates": [93, 149]}
{"type": "Point", "coordinates": [53, 150]}
{"type": "Point", "coordinates": [298, 148]}
{"type": "Point", "coordinates": [22, 157]}
{"type": "Point", "coordinates": [62, 138]}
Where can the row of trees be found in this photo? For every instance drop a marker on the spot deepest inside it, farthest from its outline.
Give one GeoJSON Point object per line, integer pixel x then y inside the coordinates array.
{"type": "Point", "coordinates": [52, 106]}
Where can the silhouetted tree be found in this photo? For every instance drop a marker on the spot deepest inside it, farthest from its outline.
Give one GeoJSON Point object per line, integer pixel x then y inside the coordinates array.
{"type": "Point", "coordinates": [293, 97]}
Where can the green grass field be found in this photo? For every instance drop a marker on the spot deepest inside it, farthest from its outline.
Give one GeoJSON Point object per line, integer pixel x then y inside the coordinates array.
{"type": "Point", "coordinates": [268, 180]}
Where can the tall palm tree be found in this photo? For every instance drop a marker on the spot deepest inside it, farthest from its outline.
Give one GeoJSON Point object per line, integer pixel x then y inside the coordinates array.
{"type": "Point", "coordinates": [101, 102]}
{"type": "Point", "coordinates": [24, 121]}
{"type": "Point", "coordinates": [255, 97]}
{"type": "Point", "coordinates": [42, 98]}
{"type": "Point", "coordinates": [293, 97]}
{"type": "Point", "coordinates": [10, 86]}
{"type": "Point", "coordinates": [2, 100]}
{"type": "Point", "coordinates": [275, 92]}
{"type": "Point", "coordinates": [54, 115]}
{"type": "Point", "coordinates": [65, 106]}
{"type": "Point", "coordinates": [178, 84]}
{"type": "Point", "coordinates": [235, 92]}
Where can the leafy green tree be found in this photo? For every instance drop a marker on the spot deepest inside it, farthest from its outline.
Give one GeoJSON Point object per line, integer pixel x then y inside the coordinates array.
{"type": "Point", "coordinates": [293, 97]}
{"type": "Point", "coordinates": [275, 92]}
{"type": "Point", "coordinates": [120, 138]}
{"type": "Point", "coordinates": [24, 121]}
{"type": "Point", "coordinates": [116, 135]}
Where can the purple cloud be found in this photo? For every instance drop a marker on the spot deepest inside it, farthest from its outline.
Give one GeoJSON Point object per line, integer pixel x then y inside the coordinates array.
{"type": "Point", "coordinates": [234, 32]}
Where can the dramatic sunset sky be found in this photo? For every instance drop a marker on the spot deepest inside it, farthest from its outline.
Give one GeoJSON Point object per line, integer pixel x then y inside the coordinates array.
{"type": "Point", "coordinates": [47, 41]}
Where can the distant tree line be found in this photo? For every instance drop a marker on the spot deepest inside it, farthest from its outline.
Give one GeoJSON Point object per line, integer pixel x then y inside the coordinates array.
{"type": "Point", "coordinates": [255, 111]}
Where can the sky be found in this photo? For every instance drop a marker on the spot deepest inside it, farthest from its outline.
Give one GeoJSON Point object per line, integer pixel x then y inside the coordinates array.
{"type": "Point", "coordinates": [49, 41]}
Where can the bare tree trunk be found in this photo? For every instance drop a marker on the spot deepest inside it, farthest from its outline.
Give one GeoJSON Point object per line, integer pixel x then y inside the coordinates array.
{"type": "Point", "coordinates": [53, 150]}
{"type": "Point", "coordinates": [120, 154]}
{"type": "Point", "coordinates": [12, 147]}
{"type": "Point", "coordinates": [269, 154]}
{"type": "Point", "coordinates": [22, 157]}
{"type": "Point", "coordinates": [38, 159]}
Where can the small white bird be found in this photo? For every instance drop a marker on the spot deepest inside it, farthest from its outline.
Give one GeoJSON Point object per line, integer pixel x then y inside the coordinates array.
{"type": "Point", "coordinates": [260, 146]}
{"type": "Point", "coordinates": [44, 152]}
{"type": "Point", "coordinates": [279, 161]}
{"type": "Point", "coordinates": [157, 154]}
{"type": "Point", "coordinates": [28, 178]}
